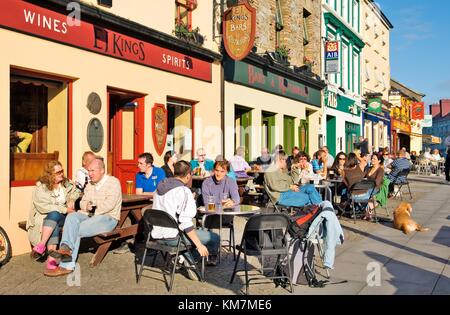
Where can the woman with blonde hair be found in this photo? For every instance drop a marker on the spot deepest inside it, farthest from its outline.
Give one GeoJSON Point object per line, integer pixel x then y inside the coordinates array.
{"type": "Point", "coordinates": [52, 199]}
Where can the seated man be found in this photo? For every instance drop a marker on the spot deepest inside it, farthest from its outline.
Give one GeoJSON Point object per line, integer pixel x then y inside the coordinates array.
{"type": "Point", "coordinates": [290, 160]}
{"type": "Point", "coordinates": [149, 176]}
{"type": "Point", "coordinates": [282, 189]}
{"type": "Point", "coordinates": [100, 212]}
{"type": "Point", "coordinates": [265, 159]}
{"type": "Point", "coordinates": [223, 188]}
{"type": "Point", "coordinates": [22, 141]}
{"type": "Point", "coordinates": [401, 163]}
{"type": "Point", "coordinates": [238, 164]}
{"type": "Point", "coordinates": [173, 197]}
{"type": "Point", "coordinates": [82, 175]}
{"type": "Point", "coordinates": [329, 157]}
{"type": "Point", "coordinates": [201, 165]}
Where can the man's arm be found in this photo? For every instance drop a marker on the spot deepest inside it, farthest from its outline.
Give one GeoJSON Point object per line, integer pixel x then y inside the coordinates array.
{"type": "Point", "coordinates": [113, 197]}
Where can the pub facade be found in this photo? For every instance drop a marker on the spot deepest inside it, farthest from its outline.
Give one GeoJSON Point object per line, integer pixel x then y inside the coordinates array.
{"type": "Point", "coordinates": [87, 77]}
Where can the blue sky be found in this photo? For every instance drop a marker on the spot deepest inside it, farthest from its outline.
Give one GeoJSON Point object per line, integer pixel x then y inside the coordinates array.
{"type": "Point", "coordinates": [420, 45]}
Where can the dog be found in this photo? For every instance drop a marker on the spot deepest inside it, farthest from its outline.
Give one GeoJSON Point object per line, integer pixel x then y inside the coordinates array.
{"type": "Point", "coordinates": [403, 220]}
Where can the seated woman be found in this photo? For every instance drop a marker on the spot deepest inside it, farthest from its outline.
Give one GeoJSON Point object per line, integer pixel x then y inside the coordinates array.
{"type": "Point", "coordinates": [223, 188]}
{"type": "Point", "coordinates": [53, 197]}
{"type": "Point", "coordinates": [169, 160]}
{"type": "Point", "coordinates": [353, 173]}
{"type": "Point", "coordinates": [301, 168]}
{"type": "Point", "coordinates": [238, 163]}
{"type": "Point", "coordinates": [375, 173]}
{"type": "Point", "coordinates": [339, 165]}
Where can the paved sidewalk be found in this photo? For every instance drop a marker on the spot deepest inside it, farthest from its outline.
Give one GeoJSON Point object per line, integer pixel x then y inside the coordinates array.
{"type": "Point", "coordinates": [413, 264]}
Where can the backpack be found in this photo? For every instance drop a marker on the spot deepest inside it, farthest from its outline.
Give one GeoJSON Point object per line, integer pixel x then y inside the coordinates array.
{"type": "Point", "coordinates": [301, 220]}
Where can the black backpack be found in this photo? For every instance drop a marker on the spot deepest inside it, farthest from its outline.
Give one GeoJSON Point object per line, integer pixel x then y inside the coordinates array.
{"type": "Point", "coordinates": [301, 220]}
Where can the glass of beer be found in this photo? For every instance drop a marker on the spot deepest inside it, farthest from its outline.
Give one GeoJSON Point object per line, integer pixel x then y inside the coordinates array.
{"type": "Point", "coordinates": [225, 198]}
{"type": "Point", "coordinates": [130, 187]}
{"type": "Point", "coordinates": [211, 203]}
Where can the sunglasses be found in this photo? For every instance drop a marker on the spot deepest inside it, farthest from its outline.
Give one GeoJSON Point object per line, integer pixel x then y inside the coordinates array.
{"type": "Point", "coordinates": [59, 172]}
{"type": "Point", "coordinates": [342, 159]}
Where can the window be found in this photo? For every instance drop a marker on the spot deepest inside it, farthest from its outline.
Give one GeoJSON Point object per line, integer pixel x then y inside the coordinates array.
{"type": "Point", "coordinates": [345, 67]}
{"type": "Point", "coordinates": [183, 12]}
{"type": "Point", "coordinates": [355, 73]}
{"type": "Point", "coordinates": [179, 127]}
{"type": "Point", "coordinates": [306, 20]}
{"type": "Point", "coordinates": [38, 107]}
{"type": "Point", "coordinates": [355, 15]}
{"type": "Point", "coordinates": [345, 10]}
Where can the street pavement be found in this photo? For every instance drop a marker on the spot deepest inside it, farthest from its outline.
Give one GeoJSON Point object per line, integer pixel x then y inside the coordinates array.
{"type": "Point", "coordinates": [375, 259]}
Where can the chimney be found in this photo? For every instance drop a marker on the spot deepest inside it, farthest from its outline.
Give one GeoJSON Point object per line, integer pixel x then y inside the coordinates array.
{"type": "Point", "coordinates": [435, 110]}
{"type": "Point", "coordinates": [445, 107]}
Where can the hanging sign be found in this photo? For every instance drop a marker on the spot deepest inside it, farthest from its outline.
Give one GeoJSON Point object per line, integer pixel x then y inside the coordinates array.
{"type": "Point", "coordinates": [159, 127]}
{"type": "Point", "coordinates": [374, 105]}
{"type": "Point", "coordinates": [427, 121]}
{"type": "Point", "coordinates": [238, 28]}
{"type": "Point", "coordinates": [332, 57]}
{"type": "Point", "coordinates": [418, 110]}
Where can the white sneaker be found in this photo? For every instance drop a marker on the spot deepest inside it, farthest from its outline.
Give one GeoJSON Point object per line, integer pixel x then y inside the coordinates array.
{"type": "Point", "coordinates": [189, 268]}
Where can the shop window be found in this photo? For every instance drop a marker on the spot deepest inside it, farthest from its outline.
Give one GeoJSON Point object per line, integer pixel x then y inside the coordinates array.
{"type": "Point", "coordinates": [243, 125]}
{"type": "Point", "coordinates": [179, 127]}
{"type": "Point", "coordinates": [39, 112]}
{"type": "Point", "coordinates": [183, 12]}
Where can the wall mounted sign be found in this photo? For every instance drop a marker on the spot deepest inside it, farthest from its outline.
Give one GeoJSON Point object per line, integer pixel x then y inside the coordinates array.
{"type": "Point", "coordinates": [418, 110]}
{"type": "Point", "coordinates": [332, 57]}
{"type": "Point", "coordinates": [374, 105]}
{"type": "Point", "coordinates": [238, 28]}
{"type": "Point", "coordinates": [427, 121]}
{"type": "Point", "coordinates": [94, 103]}
{"type": "Point", "coordinates": [38, 21]}
{"type": "Point", "coordinates": [159, 127]}
{"type": "Point", "coordinates": [95, 134]}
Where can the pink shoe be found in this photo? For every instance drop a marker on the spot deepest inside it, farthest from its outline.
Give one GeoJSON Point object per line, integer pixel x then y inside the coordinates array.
{"type": "Point", "coordinates": [39, 249]}
{"type": "Point", "coordinates": [51, 263]}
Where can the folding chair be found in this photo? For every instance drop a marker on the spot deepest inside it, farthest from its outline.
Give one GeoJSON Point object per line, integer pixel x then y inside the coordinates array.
{"type": "Point", "coordinates": [357, 191]}
{"type": "Point", "coordinates": [264, 235]}
{"type": "Point", "coordinates": [400, 180]}
{"type": "Point", "coordinates": [278, 208]}
{"type": "Point", "coordinates": [315, 237]}
{"type": "Point", "coordinates": [152, 218]}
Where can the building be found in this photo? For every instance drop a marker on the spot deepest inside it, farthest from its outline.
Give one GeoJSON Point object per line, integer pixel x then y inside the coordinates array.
{"type": "Point", "coordinates": [273, 96]}
{"type": "Point", "coordinates": [342, 98]}
{"type": "Point", "coordinates": [376, 75]}
{"type": "Point", "coordinates": [117, 82]}
{"type": "Point", "coordinates": [406, 132]}
{"type": "Point", "coordinates": [441, 125]}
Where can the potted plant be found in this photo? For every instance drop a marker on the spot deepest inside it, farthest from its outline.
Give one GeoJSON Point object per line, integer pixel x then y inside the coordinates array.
{"type": "Point", "coordinates": [283, 54]}
{"type": "Point", "coordinates": [309, 63]}
{"type": "Point", "coordinates": [182, 31]}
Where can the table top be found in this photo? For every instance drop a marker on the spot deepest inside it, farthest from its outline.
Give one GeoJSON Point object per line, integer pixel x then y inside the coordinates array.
{"type": "Point", "coordinates": [197, 177]}
{"type": "Point", "coordinates": [135, 198]}
{"type": "Point", "coordinates": [336, 180]}
{"type": "Point", "coordinates": [238, 210]}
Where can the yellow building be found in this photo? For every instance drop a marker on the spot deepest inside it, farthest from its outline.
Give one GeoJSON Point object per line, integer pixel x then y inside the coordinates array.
{"type": "Point", "coordinates": [116, 82]}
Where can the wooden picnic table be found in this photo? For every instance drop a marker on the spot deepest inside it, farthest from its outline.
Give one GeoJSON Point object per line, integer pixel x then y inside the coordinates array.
{"type": "Point", "coordinates": [131, 207]}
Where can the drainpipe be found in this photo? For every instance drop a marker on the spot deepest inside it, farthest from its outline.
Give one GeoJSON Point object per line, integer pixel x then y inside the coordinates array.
{"type": "Point", "coordinates": [222, 86]}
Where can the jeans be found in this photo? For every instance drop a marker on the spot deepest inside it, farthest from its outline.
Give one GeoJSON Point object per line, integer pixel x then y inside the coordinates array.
{"type": "Point", "coordinates": [54, 220]}
{"type": "Point", "coordinates": [79, 225]}
{"type": "Point", "coordinates": [306, 196]}
{"type": "Point", "coordinates": [207, 238]}
{"type": "Point", "coordinates": [365, 196]}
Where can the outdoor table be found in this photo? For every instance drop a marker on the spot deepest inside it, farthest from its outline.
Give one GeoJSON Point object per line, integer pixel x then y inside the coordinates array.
{"type": "Point", "coordinates": [235, 211]}
{"type": "Point", "coordinates": [131, 206]}
{"type": "Point", "coordinates": [336, 182]}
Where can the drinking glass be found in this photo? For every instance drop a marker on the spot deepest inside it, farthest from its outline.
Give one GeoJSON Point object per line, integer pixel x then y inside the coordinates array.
{"type": "Point", "coordinates": [211, 203]}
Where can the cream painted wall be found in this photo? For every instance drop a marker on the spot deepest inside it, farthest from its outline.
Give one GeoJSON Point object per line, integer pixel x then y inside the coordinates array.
{"type": "Point", "coordinates": [416, 143]}
{"type": "Point", "coordinates": [94, 73]}
{"type": "Point", "coordinates": [160, 15]}
{"type": "Point", "coordinates": [262, 101]}
{"type": "Point", "coordinates": [376, 53]}
{"type": "Point", "coordinates": [57, 123]}
{"type": "Point", "coordinates": [341, 118]}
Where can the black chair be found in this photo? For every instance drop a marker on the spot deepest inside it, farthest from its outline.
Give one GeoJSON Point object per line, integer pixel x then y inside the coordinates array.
{"type": "Point", "coordinates": [152, 218]}
{"type": "Point", "coordinates": [358, 189]}
{"type": "Point", "coordinates": [400, 180]}
{"type": "Point", "coordinates": [212, 221]}
{"type": "Point", "coordinates": [264, 235]}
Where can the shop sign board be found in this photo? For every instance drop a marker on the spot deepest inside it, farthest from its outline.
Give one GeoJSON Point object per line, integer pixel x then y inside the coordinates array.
{"type": "Point", "coordinates": [418, 110]}
{"type": "Point", "coordinates": [374, 105]}
{"type": "Point", "coordinates": [427, 121]}
{"type": "Point", "coordinates": [332, 57]}
{"type": "Point", "coordinates": [32, 19]}
{"type": "Point", "coordinates": [239, 27]}
{"type": "Point", "coordinates": [159, 127]}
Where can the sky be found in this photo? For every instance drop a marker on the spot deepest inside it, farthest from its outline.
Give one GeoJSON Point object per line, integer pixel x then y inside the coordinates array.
{"type": "Point", "coordinates": [420, 45]}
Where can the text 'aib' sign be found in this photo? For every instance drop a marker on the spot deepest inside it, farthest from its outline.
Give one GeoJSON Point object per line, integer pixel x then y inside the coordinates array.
{"type": "Point", "coordinates": [332, 57]}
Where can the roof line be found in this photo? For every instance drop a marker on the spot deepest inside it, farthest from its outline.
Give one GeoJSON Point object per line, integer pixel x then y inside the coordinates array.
{"type": "Point", "coordinates": [383, 16]}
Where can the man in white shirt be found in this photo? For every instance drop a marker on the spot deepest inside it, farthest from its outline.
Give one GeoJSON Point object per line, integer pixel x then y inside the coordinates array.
{"type": "Point", "coordinates": [173, 197]}
{"type": "Point", "coordinates": [82, 176]}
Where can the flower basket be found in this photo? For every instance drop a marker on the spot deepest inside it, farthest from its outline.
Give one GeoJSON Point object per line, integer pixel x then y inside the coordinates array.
{"type": "Point", "coordinates": [181, 31]}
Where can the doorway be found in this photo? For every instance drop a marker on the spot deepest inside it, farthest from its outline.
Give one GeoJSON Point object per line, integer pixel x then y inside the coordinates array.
{"type": "Point", "coordinates": [125, 134]}
{"type": "Point", "coordinates": [331, 135]}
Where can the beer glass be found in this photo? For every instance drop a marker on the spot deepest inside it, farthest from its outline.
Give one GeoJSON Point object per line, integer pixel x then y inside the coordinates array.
{"type": "Point", "coordinates": [211, 203]}
{"type": "Point", "coordinates": [129, 187]}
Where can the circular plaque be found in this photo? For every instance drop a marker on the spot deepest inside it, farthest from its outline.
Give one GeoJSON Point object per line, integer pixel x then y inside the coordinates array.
{"type": "Point", "coordinates": [94, 103]}
{"type": "Point", "coordinates": [95, 135]}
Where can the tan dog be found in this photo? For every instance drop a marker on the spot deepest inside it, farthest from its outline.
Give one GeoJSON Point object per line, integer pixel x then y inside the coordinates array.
{"type": "Point", "coordinates": [403, 220]}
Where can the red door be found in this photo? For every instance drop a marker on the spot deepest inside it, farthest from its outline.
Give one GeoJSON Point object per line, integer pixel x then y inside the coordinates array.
{"type": "Point", "coordinates": [126, 135]}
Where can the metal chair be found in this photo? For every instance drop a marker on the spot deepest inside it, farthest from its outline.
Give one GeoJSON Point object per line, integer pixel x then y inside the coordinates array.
{"type": "Point", "coordinates": [278, 207]}
{"type": "Point", "coordinates": [264, 235]}
{"type": "Point", "coordinates": [315, 237]}
{"type": "Point", "coordinates": [212, 221]}
{"type": "Point", "coordinates": [152, 218]}
{"type": "Point", "coordinates": [359, 189]}
{"type": "Point", "coordinates": [400, 180]}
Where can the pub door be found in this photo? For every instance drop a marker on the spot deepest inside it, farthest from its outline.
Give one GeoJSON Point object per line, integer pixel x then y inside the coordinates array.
{"type": "Point", "coordinates": [125, 134]}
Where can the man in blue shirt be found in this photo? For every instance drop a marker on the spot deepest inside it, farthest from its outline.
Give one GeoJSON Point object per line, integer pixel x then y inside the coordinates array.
{"type": "Point", "coordinates": [149, 176]}
{"type": "Point", "coordinates": [319, 164]}
{"type": "Point", "coordinates": [206, 165]}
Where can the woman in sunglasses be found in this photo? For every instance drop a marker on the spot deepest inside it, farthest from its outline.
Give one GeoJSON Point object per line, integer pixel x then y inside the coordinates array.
{"type": "Point", "coordinates": [339, 165]}
{"type": "Point", "coordinates": [52, 199]}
